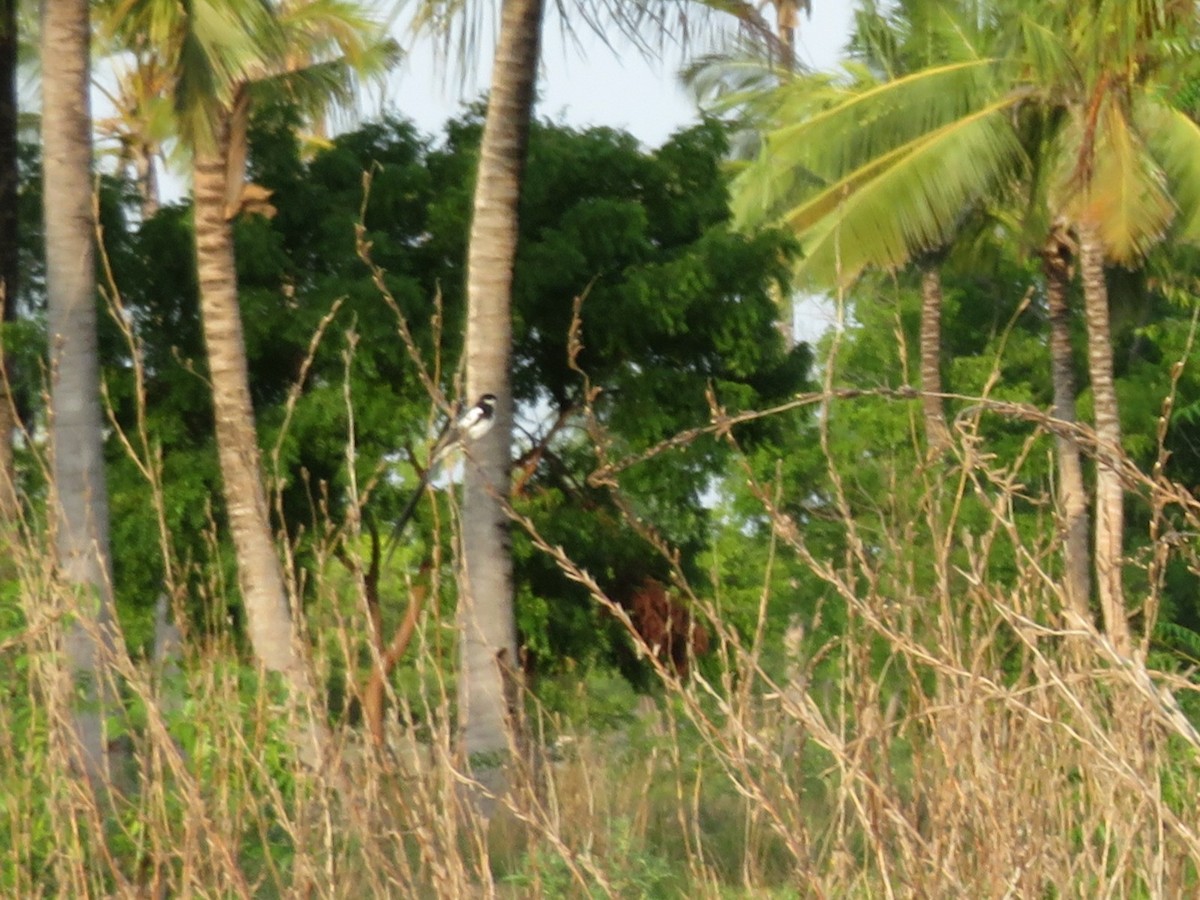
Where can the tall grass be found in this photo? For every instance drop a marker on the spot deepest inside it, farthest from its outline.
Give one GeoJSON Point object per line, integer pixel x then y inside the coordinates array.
{"type": "Point", "coordinates": [955, 737]}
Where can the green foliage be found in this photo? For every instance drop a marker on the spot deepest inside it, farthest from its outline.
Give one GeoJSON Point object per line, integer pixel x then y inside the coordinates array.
{"type": "Point", "coordinates": [675, 304]}
{"type": "Point", "coordinates": [589, 700]}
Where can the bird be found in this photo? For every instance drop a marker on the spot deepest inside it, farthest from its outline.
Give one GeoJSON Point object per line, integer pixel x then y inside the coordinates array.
{"type": "Point", "coordinates": [458, 430]}
{"type": "Point", "coordinates": [470, 426]}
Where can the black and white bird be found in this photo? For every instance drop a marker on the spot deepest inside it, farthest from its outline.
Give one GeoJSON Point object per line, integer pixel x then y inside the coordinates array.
{"type": "Point", "coordinates": [466, 427]}
{"type": "Point", "coordinates": [469, 426]}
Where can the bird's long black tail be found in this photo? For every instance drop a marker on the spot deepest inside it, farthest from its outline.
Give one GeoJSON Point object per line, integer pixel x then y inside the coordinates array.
{"type": "Point", "coordinates": [406, 514]}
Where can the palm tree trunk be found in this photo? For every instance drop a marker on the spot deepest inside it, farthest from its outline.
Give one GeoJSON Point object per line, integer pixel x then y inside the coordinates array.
{"type": "Point", "coordinates": [10, 257]}
{"type": "Point", "coordinates": [147, 181]}
{"type": "Point", "coordinates": [487, 627]}
{"type": "Point", "coordinates": [260, 574]}
{"type": "Point", "coordinates": [787, 14]}
{"type": "Point", "coordinates": [937, 435]}
{"type": "Point", "coordinates": [1072, 494]}
{"type": "Point", "coordinates": [80, 495]}
{"type": "Point", "coordinates": [1110, 495]}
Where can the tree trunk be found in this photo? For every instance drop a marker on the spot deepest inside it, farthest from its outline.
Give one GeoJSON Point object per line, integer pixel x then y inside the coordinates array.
{"type": "Point", "coordinates": [147, 181]}
{"type": "Point", "coordinates": [937, 435]}
{"type": "Point", "coordinates": [10, 257]}
{"type": "Point", "coordinates": [1110, 495]}
{"type": "Point", "coordinates": [79, 499]}
{"type": "Point", "coordinates": [487, 627]}
{"type": "Point", "coordinates": [787, 14]}
{"type": "Point", "coordinates": [1072, 494]}
{"type": "Point", "coordinates": [375, 692]}
{"type": "Point", "coordinates": [260, 574]}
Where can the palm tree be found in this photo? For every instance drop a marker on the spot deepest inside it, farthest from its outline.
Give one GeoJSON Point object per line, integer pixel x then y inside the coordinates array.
{"type": "Point", "coordinates": [1117, 158]}
{"type": "Point", "coordinates": [142, 120]}
{"type": "Point", "coordinates": [1057, 256]}
{"type": "Point", "coordinates": [220, 54]}
{"type": "Point", "coordinates": [883, 168]}
{"type": "Point", "coordinates": [487, 628]}
{"type": "Point", "coordinates": [260, 573]}
{"type": "Point", "coordinates": [80, 497]}
{"type": "Point", "coordinates": [1123, 163]}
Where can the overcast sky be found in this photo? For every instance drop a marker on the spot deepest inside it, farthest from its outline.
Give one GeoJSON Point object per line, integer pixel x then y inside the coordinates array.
{"type": "Point", "coordinates": [594, 85]}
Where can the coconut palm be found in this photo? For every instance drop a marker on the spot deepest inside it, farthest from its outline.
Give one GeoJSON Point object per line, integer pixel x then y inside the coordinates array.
{"type": "Point", "coordinates": [1057, 255]}
{"type": "Point", "coordinates": [1123, 171]}
{"type": "Point", "coordinates": [879, 169]}
{"type": "Point", "coordinates": [487, 628]}
{"type": "Point", "coordinates": [869, 173]}
{"type": "Point", "coordinates": [80, 497]}
{"type": "Point", "coordinates": [142, 121]}
{"type": "Point", "coordinates": [221, 54]}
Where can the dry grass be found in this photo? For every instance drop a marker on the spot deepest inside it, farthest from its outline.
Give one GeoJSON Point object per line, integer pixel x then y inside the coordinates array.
{"type": "Point", "coordinates": [954, 738]}
{"type": "Point", "coordinates": [950, 741]}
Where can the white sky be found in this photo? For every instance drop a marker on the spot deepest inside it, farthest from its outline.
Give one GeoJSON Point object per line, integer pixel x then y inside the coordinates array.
{"type": "Point", "coordinates": [594, 85]}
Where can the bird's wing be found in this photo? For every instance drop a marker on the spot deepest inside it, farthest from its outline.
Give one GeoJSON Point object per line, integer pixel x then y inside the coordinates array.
{"type": "Point", "coordinates": [445, 436]}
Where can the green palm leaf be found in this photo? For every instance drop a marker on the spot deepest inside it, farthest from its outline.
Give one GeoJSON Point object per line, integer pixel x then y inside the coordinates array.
{"type": "Point", "coordinates": [911, 200]}
{"type": "Point", "coordinates": [834, 129]}
{"type": "Point", "coordinates": [831, 135]}
{"type": "Point", "coordinates": [1174, 138]}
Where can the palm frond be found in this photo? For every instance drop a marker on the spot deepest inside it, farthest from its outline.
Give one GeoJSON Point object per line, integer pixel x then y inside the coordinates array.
{"type": "Point", "coordinates": [832, 131]}
{"type": "Point", "coordinates": [904, 37]}
{"type": "Point", "coordinates": [1126, 194]}
{"type": "Point", "coordinates": [1042, 48]}
{"type": "Point", "coordinates": [234, 36]}
{"type": "Point", "coordinates": [911, 201]}
{"type": "Point", "coordinates": [723, 83]}
{"type": "Point", "coordinates": [324, 29]}
{"type": "Point", "coordinates": [1174, 138]}
{"type": "Point", "coordinates": [214, 49]}
{"type": "Point", "coordinates": [843, 137]}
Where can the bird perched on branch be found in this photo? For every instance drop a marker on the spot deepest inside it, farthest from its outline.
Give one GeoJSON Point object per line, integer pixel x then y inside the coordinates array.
{"type": "Point", "coordinates": [458, 430]}
{"type": "Point", "coordinates": [469, 426]}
